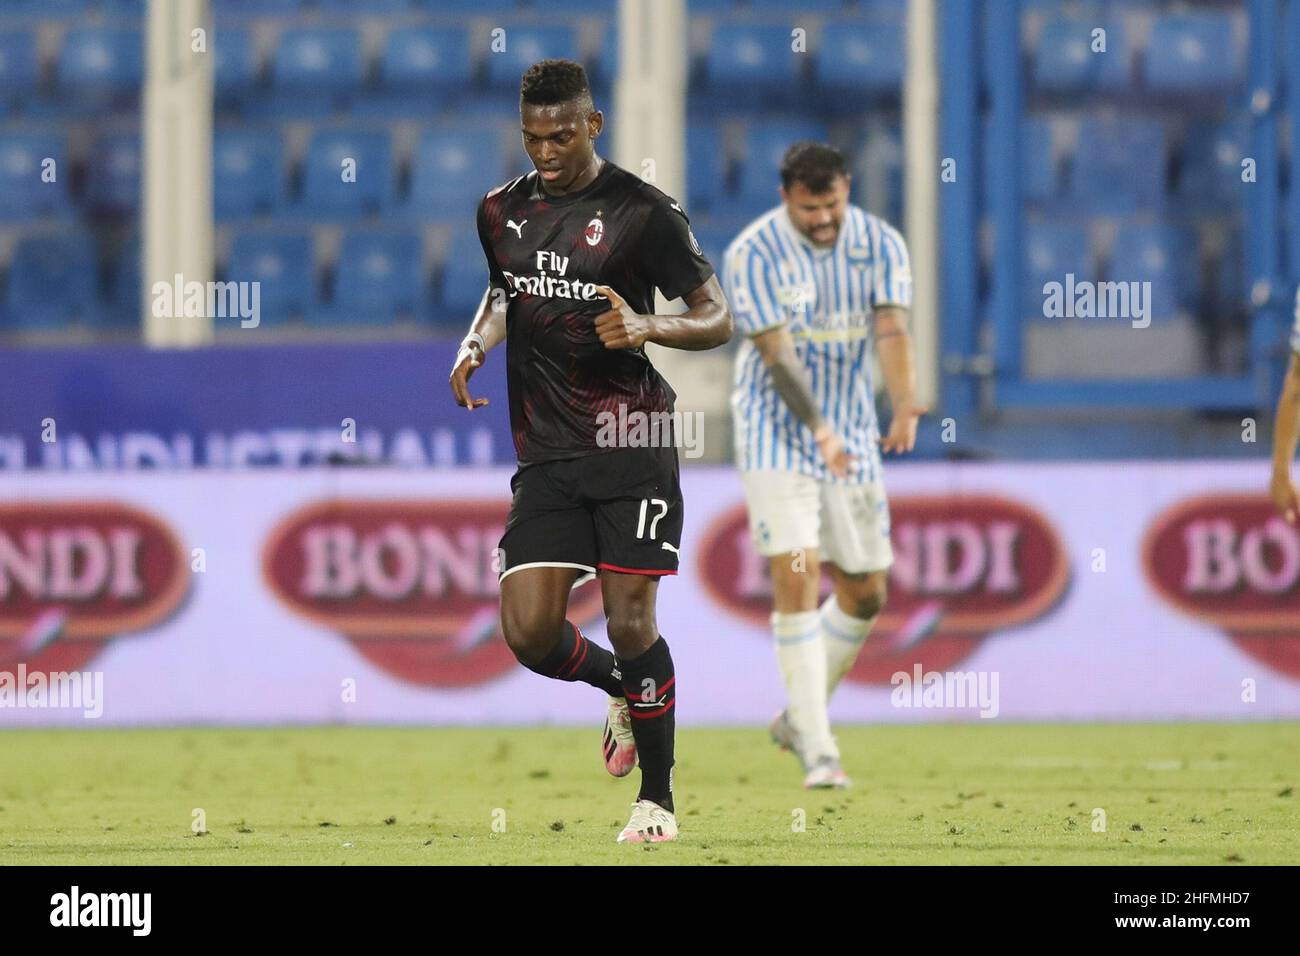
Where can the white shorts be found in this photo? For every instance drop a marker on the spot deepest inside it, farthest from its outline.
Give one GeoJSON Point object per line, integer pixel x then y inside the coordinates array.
{"type": "Point", "coordinates": [847, 524]}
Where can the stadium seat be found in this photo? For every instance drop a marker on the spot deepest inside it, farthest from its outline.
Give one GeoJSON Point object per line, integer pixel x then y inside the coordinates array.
{"type": "Point", "coordinates": [800, 6]}
{"type": "Point", "coordinates": [113, 180]}
{"type": "Point", "coordinates": [877, 167]}
{"type": "Point", "coordinates": [1051, 252]}
{"type": "Point", "coordinates": [369, 186]}
{"type": "Point", "coordinates": [19, 70]}
{"type": "Point", "coordinates": [1211, 168]}
{"type": "Point", "coordinates": [124, 296]}
{"type": "Point", "coordinates": [424, 62]}
{"type": "Point", "coordinates": [1037, 171]}
{"type": "Point", "coordinates": [1164, 255]}
{"type": "Point", "coordinates": [378, 278]}
{"type": "Point", "coordinates": [1193, 52]}
{"type": "Point", "coordinates": [1064, 60]}
{"type": "Point", "coordinates": [1119, 165]}
{"type": "Point", "coordinates": [234, 62]}
{"type": "Point", "coordinates": [464, 278]}
{"type": "Point", "coordinates": [452, 171]}
{"type": "Point", "coordinates": [250, 8]}
{"type": "Point", "coordinates": [52, 281]}
{"type": "Point", "coordinates": [525, 45]}
{"type": "Point", "coordinates": [706, 166]}
{"type": "Point", "coordinates": [752, 63]}
{"type": "Point", "coordinates": [366, 6]}
{"type": "Point", "coordinates": [100, 63]}
{"type": "Point", "coordinates": [765, 146]}
{"type": "Point", "coordinates": [247, 173]}
{"type": "Point", "coordinates": [24, 193]}
{"type": "Point", "coordinates": [857, 58]}
{"type": "Point", "coordinates": [285, 267]}
{"type": "Point", "coordinates": [316, 69]}
{"type": "Point", "coordinates": [468, 6]}
{"type": "Point", "coordinates": [47, 8]}
{"type": "Point", "coordinates": [134, 9]}
{"type": "Point", "coordinates": [593, 8]}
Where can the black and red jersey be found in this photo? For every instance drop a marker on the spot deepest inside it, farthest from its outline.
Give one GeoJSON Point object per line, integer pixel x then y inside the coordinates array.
{"type": "Point", "coordinates": [548, 253]}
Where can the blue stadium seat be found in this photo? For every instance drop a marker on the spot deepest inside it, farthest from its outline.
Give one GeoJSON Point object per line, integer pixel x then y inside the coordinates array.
{"type": "Point", "coordinates": [123, 8]}
{"type": "Point", "coordinates": [365, 6]}
{"type": "Point", "coordinates": [47, 8]}
{"type": "Point", "coordinates": [1193, 52]}
{"type": "Point", "coordinates": [453, 169]}
{"type": "Point", "coordinates": [124, 303]}
{"type": "Point", "coordinates": [234, 62]}
{"type": "Point", "coordinates": [316, 68]}
{"type": "Point", "coordinates": [285, 267]}
{"type": "Point", "coordinates": [52, 281]}
{"type": "Point", "coordinates": [1119, 165]}
{"type": "Point", "coordinates": [857, 58]}
{"type": "Point", "coordinates": [247, 172]}
{"type": "Point", "coordinates": [706, 165]}
{"type": "Point", "coordinates": [241, 8]}
{"type": "Point", "coordinates": [378, 279]}
{"type": "Point", "coordinates": [113, 182]}
{"type": "Point", "coordinates": [760, 169]}
{"type": "Point", "coordinates": [1211, 175]}
{"type": "Point", "coordinates": [464, 277]}
{"type": "Point", "coordinates": [1051, 252]}
{"type": "Point", "coordinates": [593, 8]}
{"type": "Point", "coordinates": [468, 6]}
{"type": "Point", "coordinates": [426, 61]}
{"type": "Point", "coordinates": [1064, 60]}
{"type": "Point", "coordinates": [709, 7]}
{"type": "Point", "coordinates": [1164, 255]}
{"type": "Point", "coordinates": [24, 193]}
{"type": "Point", "coordinates": [1037, 171]}
{"type": "Point", "coordinates": [877, 167]}
{"type": "Point", "coordinates": [369, 186]}
{"type": "Point", "coordinates": [19, 71]}
{"type": "Point", "coordinates": [799, 6]}
{"type": "Point", "coordinates": [525, 45]}
{"type": "Point", "coordinates": [99, 63]}
{"type": "Point", "coordinates": [752, 63]}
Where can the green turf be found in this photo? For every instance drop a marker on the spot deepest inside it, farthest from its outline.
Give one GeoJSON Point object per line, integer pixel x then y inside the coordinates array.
{"type": "Point", "coordinates": [936, 794]}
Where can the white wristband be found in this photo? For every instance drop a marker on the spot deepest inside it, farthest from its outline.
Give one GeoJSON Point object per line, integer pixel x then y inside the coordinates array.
{"type": "Point", "coordinates": [477, 340]}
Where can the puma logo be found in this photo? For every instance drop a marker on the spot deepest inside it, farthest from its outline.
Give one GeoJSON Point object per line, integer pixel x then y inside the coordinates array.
{"type": "Point", "coordinates": [517, 227]}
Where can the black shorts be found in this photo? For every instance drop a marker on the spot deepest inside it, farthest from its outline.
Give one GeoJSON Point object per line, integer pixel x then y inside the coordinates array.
{"type": "Point", "coordinates": [618, 510]}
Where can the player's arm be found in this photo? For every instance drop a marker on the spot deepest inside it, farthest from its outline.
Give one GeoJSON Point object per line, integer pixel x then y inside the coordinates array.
{"type": "Point", "coordinates": [1286, 435]}
{"type": "Point", "coordinates": [486, 332]}
{"type": "Point", "coordinates": [705, 324]}
{"type": "Point", "coordinates": [791, 381]}
{"type": "Point", "coordinates": [894, 346]}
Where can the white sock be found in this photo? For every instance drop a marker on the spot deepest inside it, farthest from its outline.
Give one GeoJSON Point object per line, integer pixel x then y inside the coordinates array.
{"type": "Point", "coordinates": [802, 660]}
{"type": "Point", "coordinates": [842, 637]}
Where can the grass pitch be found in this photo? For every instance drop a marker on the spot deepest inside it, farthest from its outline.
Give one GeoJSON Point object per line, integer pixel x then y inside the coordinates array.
{"type": "Point", "coordinates": [1004, 794]}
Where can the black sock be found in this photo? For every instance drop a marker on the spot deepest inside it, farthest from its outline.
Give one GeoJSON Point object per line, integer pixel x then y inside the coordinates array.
{"type": "Point", "coordinates": [575, 658]}
{"type": "Point", "coordinates": [650, 684]}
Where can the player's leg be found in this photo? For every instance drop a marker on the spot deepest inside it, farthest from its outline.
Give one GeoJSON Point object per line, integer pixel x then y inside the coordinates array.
{"type": "Point", "coordinates": [847, 617]}
{"type": "Point", "coordinates": [548, 543]}
{"type": "Point", "coordinates": [856, 544]}
{"type": "Point", "coordinates": [636, 497]}
{"type": "Point", "coordinates": [784, 516]}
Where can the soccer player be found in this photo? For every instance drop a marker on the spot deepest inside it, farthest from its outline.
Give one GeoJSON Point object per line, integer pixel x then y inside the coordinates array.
{"type": "Point", "coordinates": [575, 251]}
{"type": "Point", "coordinates": [812, 283]}
{"type": "Point", "coordinates": [1286, 431]}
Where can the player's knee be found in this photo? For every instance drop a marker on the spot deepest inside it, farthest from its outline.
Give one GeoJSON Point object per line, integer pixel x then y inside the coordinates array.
{"type": "Point", "coordinates": [631, 632]}
{"type": "Point", "coordinates": [529, 633]}
{"type": "Point", "coordinates": [868, 600]}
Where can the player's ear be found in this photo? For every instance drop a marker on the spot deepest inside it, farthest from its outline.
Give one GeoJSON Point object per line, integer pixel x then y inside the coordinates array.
{"type": "Point", "coordinates": [595, 123]}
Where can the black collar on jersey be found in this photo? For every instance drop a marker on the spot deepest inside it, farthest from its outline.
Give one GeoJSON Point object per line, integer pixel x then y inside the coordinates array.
{"type": "Point", "coordinates": [540, 193]}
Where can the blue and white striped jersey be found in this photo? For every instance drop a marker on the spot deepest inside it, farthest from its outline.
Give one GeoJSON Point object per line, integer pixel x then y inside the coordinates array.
{"type": "Point", "coordinates": [1295, 329]}
{"type": "Point", "coordinates": [773, 276]}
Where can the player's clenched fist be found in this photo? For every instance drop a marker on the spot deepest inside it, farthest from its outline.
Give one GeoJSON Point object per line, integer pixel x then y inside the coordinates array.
{"type": "Point", "coordinates": [470, 357]}
{"type": "Point", "coordinates": [620, 327]}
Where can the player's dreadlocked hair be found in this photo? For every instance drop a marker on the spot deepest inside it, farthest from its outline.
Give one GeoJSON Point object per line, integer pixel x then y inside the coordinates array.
{"type": "Point", "coordinates": [548, 82]}
{"type": "Point", "coordinates": [816, 165]}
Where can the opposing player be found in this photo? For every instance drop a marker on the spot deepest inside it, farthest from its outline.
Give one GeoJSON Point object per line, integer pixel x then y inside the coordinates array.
{"type": "Point", "coordinates": [1286, 432]}
{"type": "Point", "coordinates": [575, 251]}
{"type": "Point", "coordinates": [812, 283]}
